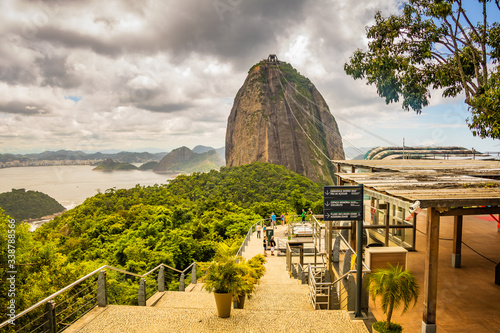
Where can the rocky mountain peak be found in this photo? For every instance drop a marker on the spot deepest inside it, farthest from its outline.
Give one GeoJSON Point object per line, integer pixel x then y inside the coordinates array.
{"type": "Point", "coordinates": [279, 117]}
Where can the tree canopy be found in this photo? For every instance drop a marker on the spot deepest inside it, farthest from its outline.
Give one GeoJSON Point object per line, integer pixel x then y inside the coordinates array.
{"type": "Point", "coordinates": [137, 229]}
{"type": "Point", "coordinates": [22, 205]}
{"type": "Point", "coordinates": [436, 44]}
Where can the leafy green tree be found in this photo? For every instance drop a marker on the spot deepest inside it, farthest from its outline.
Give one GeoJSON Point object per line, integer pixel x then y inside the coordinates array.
{"type": "Point", "coordinates": [23, 205]}
{"type": "Point", "coordinates": [137, 229]}
{"type": "Point", "coordinates": [396, 286]}
{"type": "Point", "coordinates": [436, 44]}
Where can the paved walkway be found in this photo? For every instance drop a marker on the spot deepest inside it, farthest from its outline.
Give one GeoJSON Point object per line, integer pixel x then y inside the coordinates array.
{"type": "Point", "coordinates": [280, 304]}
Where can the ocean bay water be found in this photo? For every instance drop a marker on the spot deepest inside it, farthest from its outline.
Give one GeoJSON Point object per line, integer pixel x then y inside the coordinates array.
{"type": "Point", "coordinates": [70, 185]}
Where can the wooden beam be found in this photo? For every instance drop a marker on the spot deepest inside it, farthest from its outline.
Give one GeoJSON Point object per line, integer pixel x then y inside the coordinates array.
{"type": "Point", "coordinates": [391, 226]}
{"type": "Point", "coordinates": [459, 202]}
{"type": "Point", "coordinates": [431, 271]}
{"type": "Point", "coordinates": [471, 211]}
{"type": "Point", "coordinates": [456, 255]}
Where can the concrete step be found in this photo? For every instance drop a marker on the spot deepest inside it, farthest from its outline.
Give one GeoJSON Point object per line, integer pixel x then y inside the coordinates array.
{"type": "Point", "coordinates": [193, 300]}
{"type": "Point", "coordinates": [135, 319]}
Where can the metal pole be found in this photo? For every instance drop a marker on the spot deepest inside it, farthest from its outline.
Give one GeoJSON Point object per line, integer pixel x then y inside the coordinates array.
{"type": "Point", "coordinates": [359, 263]}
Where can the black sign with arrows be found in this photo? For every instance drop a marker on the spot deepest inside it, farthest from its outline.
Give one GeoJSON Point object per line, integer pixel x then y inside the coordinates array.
{"type": "Point", "coordinates": [343, 203]}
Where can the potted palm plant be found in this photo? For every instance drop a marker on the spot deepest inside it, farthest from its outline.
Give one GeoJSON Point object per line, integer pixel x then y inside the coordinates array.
{"type": "Point", "coordinates": [250, 271]}
{"type": "Point", "coordinates": [395, 286]}
{"type": "Point", "coordinates": [223, 278]}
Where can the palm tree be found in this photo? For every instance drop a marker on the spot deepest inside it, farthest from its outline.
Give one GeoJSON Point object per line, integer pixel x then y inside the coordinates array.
{"type": "Point", "coordinates": [396, 286]}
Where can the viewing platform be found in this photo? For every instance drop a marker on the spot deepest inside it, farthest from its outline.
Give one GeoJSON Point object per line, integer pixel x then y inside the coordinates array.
{"type": "Point", "coordinates": [280, 304]}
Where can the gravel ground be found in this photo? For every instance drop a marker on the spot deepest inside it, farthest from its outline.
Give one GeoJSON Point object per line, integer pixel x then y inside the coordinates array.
{"type": "Point", "coordinates": [151, 319]}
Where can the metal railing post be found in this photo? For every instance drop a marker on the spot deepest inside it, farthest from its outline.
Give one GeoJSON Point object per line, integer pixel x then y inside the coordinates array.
{"type": "Point", "coordinates": [294, 271]}
{"type": "Point", "coordinates": [181, 283]}
{"type": "Point", "coordinates": [194, 278]}
{"type": "Point", "coordinates": [50, 317]}
{"type": "Point", "coordinates": [142, 293]}
{"type": "Point", "coordinates": [161, 279]}
{"type": "Point", "coordinates": [102, 296]}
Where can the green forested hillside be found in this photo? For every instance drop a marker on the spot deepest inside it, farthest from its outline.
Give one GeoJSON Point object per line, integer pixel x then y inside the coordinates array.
{"type": "Point", "coordinates": [137, 229]}
{"type": "Point", "coordinates": [22, 205]}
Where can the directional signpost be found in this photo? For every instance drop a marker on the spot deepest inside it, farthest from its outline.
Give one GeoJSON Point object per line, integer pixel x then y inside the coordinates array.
{"type": "Point", "coordinates": [345, 203]}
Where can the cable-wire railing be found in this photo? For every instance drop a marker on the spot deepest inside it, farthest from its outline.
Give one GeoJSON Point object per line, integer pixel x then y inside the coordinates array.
{"type": "Point", "coordinates": [244, 244]}
{"type": "Point", "coordinates": [70, 303]}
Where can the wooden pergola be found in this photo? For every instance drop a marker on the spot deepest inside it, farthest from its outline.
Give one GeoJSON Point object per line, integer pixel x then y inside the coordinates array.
{"type": "Point", "coordinates": [443, 187]}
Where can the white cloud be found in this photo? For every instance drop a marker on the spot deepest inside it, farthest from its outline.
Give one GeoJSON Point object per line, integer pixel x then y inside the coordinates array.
{"type": "Point", "coordinates": [164, 73]}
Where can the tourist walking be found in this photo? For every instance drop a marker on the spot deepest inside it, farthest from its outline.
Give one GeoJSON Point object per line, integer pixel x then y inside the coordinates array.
{"type": "Point", "coordinates": [273, 220]}
{"type": "Point", "coordinates": [259, 229]}
{"type": "Point", "coordinates": [272, 245]}
{"type": "Point", "coordinates": [265, 245]}
{"type": "Point", "coordinates": [310, 213]}
{"type": "Point", "coordinates": [282, 218]}
{"type": "Point", "coordinates": [303, 216]}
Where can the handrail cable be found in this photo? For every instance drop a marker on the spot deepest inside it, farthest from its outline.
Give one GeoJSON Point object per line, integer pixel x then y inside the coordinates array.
{"type": "Point", "coordinates": [310, 116]}
{"type": "Point", "coordinates": [340, 118]}
{"type": "Point", "coordinates": [307, 135]}
{"type": "Point", "coordinates": [57, 293]}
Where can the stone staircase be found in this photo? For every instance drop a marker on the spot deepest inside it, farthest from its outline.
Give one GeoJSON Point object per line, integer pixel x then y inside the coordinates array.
{"type": "Point", "coordinates": [280, 304]}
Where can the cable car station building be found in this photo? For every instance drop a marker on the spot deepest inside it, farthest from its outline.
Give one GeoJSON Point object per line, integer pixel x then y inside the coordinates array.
{"type": "Point", "coordinates": [398, 189]}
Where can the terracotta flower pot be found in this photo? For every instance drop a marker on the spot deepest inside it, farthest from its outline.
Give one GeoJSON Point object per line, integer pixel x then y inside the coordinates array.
{"type": "Point", "coordinates": [223, 303]}
{"type": "Point", "coordinates": [240, 302]}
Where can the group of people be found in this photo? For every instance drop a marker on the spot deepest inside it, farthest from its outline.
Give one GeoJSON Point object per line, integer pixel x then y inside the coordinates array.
{"type": "Point", "coordinates": [271, 244]}
{"type": "Point", "coordinates": [283, 219]}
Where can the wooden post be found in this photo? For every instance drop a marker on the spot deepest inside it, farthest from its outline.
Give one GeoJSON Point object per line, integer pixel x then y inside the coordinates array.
{"type": "Point", "coordinates": [353, 235]}
{"type": "Point", "coordinates": [181, 283]}
{"type": "Point", "coordinates": [142, 293]}
{"type": "Point", "coordinates": [431, 271]}
{"type": "Point", "coordinates": [387, 221]}
{"type": "Point", "coordinates": [301, 255]}
{"type": "Point", "coordinates": [414, 246]}
{"type": "Point", "coordinates": [456, 256]}
{"type": "Point", "coordinates": [161, 279]}
{"type": "Point", "coordinates": [102, 299]}
{"type": "Point", "coordinates": [50, 317]}
{"type": "Point", "coordinates": [194, 278]}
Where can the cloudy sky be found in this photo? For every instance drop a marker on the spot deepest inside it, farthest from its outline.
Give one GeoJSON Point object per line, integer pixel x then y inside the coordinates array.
{"type": "Point", "coordinates": [156, 75]}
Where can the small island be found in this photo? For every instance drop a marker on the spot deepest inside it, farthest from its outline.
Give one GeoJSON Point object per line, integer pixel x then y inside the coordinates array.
{"type": "Point", "coordinates": [110, 165]}
{"type": "Point", "coordinates": [24, 205]}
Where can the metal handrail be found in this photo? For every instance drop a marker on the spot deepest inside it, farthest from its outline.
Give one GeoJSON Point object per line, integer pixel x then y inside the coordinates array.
{"type": "Point", "coordinates": [57, 293]}
{"type": "Point", "coordinates": [354, 252]}
{"type": "Point", "coordinates": [247, 238]}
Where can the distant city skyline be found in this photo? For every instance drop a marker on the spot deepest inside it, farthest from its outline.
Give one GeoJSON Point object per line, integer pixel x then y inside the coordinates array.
{"type": "Point", "coordinates": [130, 76]}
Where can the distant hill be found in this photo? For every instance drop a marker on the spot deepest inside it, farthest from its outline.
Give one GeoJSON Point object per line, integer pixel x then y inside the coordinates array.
{"type": "Point", "coordinates": [222, 153]}
{"type": "Point", "coordinates": [122, 157]}
{"type": "Point", "coordinates": [23, 205]}
{"type": "Point", "coordinates": [110, 165]}
{"type": "Point", "coordinates": [148, 166]}
{"type": "Point", "coordinates": [184, 159]}
{"type": "Point", "coordinates": [202, 149]}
